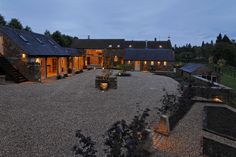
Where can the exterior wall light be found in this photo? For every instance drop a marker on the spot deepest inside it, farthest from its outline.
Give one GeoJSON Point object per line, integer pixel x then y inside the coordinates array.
{"type": "Point", "coordinates": [152, 62]}
{"type": "Point", "coordinates": [160, 46]}
{"type": "Point", "coordinates": [23, 56]}
{"type": "Point", "coordinates": [145, 62]}
{"type": "Point", "coordinates": [37, 60]}
{"type": "Point", "coordinates": [165, 63]}
{"type": "Point", "coordinates": [158, 63]}
{"type": "Point", "coordinates": [115, 59]}
{"type": "Point", "coordinates": [129, 62]}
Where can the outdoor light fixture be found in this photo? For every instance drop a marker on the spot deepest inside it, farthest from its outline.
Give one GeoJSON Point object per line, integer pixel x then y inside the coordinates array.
{"type": "Point", "coordinates": [128, 62]}
{"type": "Point", "coordinates": [23, 56]}
{"type": "Point", "coordinates": [130, 45]}
{"type": "Point", "coordinates": [160, 46]}
{"type": "Point", "coordinates": [165, 63]}
{"type": "Point", "coordinates": [37, 60]}
{"type": "Point", "coordinates": [118, 46]}
{"type": "Point", "coordinates": [158, 62]}
{"type": "Point", "coordinates": [145, 62]}
{"type": "Point", "coordinates": [110, 46]}
{"type": "Point", "coordinates": [152, 62]}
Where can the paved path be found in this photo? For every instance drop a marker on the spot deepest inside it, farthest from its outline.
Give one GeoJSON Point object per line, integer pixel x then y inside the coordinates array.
{"type": "Point", "coordinates": [41, 119]}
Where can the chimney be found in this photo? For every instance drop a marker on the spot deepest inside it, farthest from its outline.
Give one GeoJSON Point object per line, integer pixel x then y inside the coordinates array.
{"type": "Point", "coordinates": [155, 39]}
{"type": "Point", "coordinates": [146, 42]}
{"type": "Point", "coordinates": [88, 36]}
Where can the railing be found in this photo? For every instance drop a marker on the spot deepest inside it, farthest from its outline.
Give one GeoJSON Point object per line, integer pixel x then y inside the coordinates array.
{"type": "Point", "coordinates": [31, 71]}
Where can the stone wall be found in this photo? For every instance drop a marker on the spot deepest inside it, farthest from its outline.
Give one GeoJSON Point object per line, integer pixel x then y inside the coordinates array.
{"type": "Point", "coordinates": [13, 53]}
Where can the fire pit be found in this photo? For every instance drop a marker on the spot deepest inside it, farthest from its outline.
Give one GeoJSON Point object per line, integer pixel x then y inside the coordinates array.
{"type": "Point", "coordinates": [103, 86]}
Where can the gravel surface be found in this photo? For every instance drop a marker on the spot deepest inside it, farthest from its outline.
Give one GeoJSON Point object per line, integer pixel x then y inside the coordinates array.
{"type": "Point", "coordinates": [41, 119]}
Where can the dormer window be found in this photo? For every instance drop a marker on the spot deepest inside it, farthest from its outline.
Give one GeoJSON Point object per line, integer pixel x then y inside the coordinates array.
{"type": "Point", "coordinates": [130, 46]}
{"type": "Point", "coordinates": [160, 46]}
{"type": "Point", "coordinates": [118, 46]}
{"type": "Point", "coordinates": [110, 46]}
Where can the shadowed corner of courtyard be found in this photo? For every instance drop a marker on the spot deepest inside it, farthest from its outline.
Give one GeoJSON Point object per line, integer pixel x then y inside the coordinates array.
{"type": "Point", "coordinates": [41, 119]}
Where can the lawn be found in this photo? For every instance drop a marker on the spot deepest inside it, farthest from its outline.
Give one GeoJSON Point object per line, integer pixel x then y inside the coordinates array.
{"type": "Point", "coordinates": [230, 81]}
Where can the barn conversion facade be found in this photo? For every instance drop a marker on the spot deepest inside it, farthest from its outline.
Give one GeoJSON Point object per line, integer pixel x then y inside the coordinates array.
{"type": "Point", "coordinates": [141, 55]}
{"type": "Point", "coordinates": [31, 56]}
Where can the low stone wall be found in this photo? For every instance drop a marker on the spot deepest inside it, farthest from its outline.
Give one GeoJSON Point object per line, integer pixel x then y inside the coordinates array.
{"type": "Point", "coordinates": [212, 148]}
{"type": "Point", "coordinates": [112, 81]}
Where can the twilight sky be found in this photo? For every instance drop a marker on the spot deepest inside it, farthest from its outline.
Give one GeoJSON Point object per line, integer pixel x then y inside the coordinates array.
{"type": "Point", "coordinates": [185, 21]}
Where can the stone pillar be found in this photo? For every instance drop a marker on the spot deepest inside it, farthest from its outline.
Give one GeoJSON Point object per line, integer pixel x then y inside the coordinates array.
{"type": "Point", "coordinates": [45, 68]}
{"type": "Point", "coordinates": [73, 70]}
{"type": "Point", "coordinates": [57, 62]}
{"type": "Point", "coordinates": [67, 64]}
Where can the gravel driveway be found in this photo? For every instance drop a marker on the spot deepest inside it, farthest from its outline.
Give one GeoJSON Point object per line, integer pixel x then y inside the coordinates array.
{"type": "Point", "coordinates": [41, 119]}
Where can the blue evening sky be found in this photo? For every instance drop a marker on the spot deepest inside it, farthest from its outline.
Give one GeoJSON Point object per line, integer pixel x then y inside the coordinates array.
{"type": "Point", "coordinates": [185, 21]}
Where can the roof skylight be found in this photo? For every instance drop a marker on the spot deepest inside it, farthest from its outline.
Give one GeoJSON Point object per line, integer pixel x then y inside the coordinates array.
{"type": "Point", "coordinates": [23, 38]}
{"type": "Point", "coordinates": [40, 41]}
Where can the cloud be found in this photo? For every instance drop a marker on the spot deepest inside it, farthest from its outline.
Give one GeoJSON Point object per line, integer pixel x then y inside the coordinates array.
{"type": "Point", "coordinates": [184, 20]}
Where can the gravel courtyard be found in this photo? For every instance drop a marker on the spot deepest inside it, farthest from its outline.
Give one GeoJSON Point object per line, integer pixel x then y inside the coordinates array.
{"type": "Point", "coordinates": [41, 119]}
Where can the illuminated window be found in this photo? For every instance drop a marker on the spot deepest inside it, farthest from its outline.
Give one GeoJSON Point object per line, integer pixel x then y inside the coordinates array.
{"type": "Point", "coordinates": [118, 46]}
{"type": "Point", "coordinates": [129, 62]}
{"type": "Point", "coordinates": [158, 63]}
{"type": "Point", "coordinates": [145, 62]}
{"type": "Point", "coordinates": [110, 46]}
{"type": "Point", "coordinates": [165, 63]}
{"type": "Point", "coordinates": [115, 59]}
{"type": "Point", "coordinates": [160, 46]}
{"type": "Point", "coordinates": [130, 45]}
{"type": "Point", "coordinates": [152, 62]}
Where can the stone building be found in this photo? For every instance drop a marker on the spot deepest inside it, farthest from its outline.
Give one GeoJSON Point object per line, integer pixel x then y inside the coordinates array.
{"type": "Point", "coordinates": [30, 56]}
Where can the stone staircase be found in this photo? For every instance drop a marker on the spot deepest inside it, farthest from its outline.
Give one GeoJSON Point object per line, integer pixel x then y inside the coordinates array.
{"type": "Point", "coordinates": [11, 71]}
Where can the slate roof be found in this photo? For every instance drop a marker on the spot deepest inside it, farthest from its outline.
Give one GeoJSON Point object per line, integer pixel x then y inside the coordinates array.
{"type": "Point", "coordinates": [191, 67]}
{"type": "Point", "coordinates": [74, 52]}
{"type": "Point", "coordinates": [149, 54]}
{"type": "Point", "coordinates": [104, 44]}
{"type": "Point", "coordinates": [34, 44]}
{"type": "Point", "coordinates": [97, 43]}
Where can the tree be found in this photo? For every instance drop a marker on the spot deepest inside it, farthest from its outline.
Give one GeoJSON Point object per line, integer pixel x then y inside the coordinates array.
{"type": "Point", "coordinates": [219, 38]}
{"type": "Point", "coordinates": [2, 20]}
{"type": "Point", "coordinates": [27, 28]}
{"type": "Point", "coordinates": [84, 146]}
{"type": "Point", "coordinates": [47, 33]}
{"type": "Point", "coordinates": [15, 23]}
{"type": "Point", "coordinates": [226, 39]}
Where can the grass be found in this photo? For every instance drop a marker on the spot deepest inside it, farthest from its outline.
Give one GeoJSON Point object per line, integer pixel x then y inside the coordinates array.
{"type": "Point", "coordinates": [230, 81]}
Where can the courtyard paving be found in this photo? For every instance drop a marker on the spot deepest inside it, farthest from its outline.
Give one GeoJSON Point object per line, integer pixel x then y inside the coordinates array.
{"type": "Point", "coordinates": [41, 119]}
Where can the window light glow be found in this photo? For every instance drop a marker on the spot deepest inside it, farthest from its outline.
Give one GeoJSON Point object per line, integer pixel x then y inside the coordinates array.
{"type": "Point", "coordinates": [158, 62]}
{"type": "Point", "coordinates": [130, 45]}
{"type": "Point", "coordinates": [160, 46]}
{"type": "Point", "coordinates": [115, 59]}
{"type": "Point", "coordinates": [145, 62]}
{"type": "Point", "coordinates": [129, 62]}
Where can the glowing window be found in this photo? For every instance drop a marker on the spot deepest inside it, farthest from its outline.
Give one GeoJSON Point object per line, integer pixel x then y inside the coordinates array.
{"type": "Point", "coordinates": [160, 46]}
{"type": "Point", "coordinates": [118, 46]}
{"type": "Point", "coordinates": [145, 62]}
{"type": "Point", "coordinates": [158, 63]}
{"type": "Point", "coordinates": [115, 59]}
{"type": "Point", "coordinates": [110, 46]}
{"type": "Point", "coordinates": [129, 62]}
{"type": "Point", "coordinates": [130, 45]}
